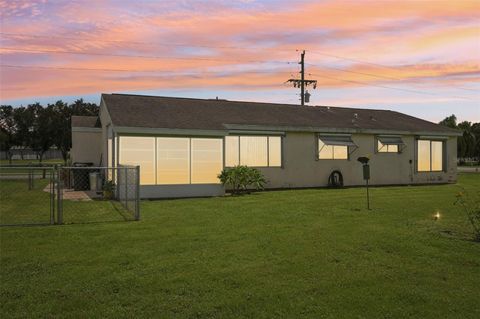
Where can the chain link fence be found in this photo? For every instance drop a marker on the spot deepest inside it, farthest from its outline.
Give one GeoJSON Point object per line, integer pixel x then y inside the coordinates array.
{"type": "Point", "coordinates": [26, 195]}
{"type": "Point", "coordinates": [67, 195]}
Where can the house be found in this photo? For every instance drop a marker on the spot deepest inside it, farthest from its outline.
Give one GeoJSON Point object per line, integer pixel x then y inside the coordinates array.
{"type": "Point", "coordinates": [181, 144]}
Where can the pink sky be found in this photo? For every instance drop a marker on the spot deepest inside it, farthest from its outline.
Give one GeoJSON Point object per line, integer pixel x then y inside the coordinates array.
{"type": "Point", "coordinates": [416, 57]}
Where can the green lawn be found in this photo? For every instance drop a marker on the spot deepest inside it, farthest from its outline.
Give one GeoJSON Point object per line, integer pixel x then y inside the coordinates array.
{"type": "Point", "coordinates": [286, 254]}
{"type": "Point", "coordinates": [21, 206]}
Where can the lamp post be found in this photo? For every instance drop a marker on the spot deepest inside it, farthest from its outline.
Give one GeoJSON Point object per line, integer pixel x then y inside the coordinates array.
{"type": "Point", "coordinates": [366, 175]}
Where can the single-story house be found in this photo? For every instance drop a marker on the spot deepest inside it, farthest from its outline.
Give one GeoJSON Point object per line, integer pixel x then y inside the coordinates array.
{"type": "Point", "coordinates": [182, 144]}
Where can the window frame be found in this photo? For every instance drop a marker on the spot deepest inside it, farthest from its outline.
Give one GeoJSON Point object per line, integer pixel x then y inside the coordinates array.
{"type": "Point", "coordinates": [444, 154]}
{"type": "Point", "coordinates": [400, 148]}
{"type": "Point", "coordinates": [268, 136]}
{"type": "Point", "coordinates": [350, 149]}
{"type": "Point", "coordinates": [221, 138]}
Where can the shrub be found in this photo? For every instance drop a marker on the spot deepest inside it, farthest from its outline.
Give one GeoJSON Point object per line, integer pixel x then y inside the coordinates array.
{"type": "Point", "coordinates": [241, 178]}
{"type": "Point", "coordinates": [108, 189]}
{"type": "Point", "coordinates": [471, 206]}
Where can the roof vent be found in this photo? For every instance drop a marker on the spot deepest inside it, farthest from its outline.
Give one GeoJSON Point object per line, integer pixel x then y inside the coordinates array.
{"type": "Point", "coordinates": [355, 115]}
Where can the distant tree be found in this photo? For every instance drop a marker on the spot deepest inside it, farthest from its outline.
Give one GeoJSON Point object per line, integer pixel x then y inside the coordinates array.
{"type": "Point", "coordinates": [476, 132]}
{"type": "Point", "coordinates": [7, 130]}
{"type": "Point", "coordinates": [62, 117]}
{"type": "Point", "coordinates": [467, 141]}
{"type": "Point", "coordinates": [42, 129]}
{"type": "Point", "coordinates": [23, 118]}
{"type": "Point", "coordinates": [449, 121]}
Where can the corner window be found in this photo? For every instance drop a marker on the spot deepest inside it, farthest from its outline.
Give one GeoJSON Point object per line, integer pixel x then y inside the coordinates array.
{"type": "Point", "coordinates": [335, 147]}
{"type": "Point", "coordinates": [430, 155]}
{"type": "Point", "coordinates": [256, 151]}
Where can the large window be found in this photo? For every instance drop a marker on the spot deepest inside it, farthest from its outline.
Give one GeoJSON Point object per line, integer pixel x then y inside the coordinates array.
{"type": "Point", "coordinates": [207, 160]}
{"type": "Point", "coordinates": [429, 156]}
{"type": "Point", "coordinates": [173, 160]}
{"type": "Point", "coordinates": [256, 151]}
{"type": "Point", "coordinates": [335, 147]}
{"type": "Point", "coordinates": [136, 150]}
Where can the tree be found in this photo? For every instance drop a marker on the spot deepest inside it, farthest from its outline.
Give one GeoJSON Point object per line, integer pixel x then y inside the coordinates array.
{"type": "Point", "coordinates": [476, 132]}
{"type": "Point", "coordinates": [42, 129]}
{"type": "Point", "coordinates": [23, 118]}
{"type": "Point", "coordinates": [7, 130]}
{"type": "Point", "coordinates": [62, 119]}
{"type": "Point", "coordinates": [467, 141]}
{"type": "Point", "coordinates": [449, 121]}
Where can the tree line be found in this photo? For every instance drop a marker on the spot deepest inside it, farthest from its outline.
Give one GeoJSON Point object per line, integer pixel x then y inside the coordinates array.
{"type": "Point", "coordinates": [468, 145]}
{"type": "Point", "coordinates": [41, 127]}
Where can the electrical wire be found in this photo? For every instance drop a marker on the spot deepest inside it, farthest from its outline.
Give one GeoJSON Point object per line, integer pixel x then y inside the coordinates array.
{"type": "Point", "coordinates": [387, 87]}
{"type": "Point", "coordinates": [136, 56]}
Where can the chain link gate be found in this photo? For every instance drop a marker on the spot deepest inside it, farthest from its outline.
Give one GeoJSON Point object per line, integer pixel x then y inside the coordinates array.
{"type": "Point", "coordinates": [97, 194]}
{"type": "Point", "coordinates": [68, 195]}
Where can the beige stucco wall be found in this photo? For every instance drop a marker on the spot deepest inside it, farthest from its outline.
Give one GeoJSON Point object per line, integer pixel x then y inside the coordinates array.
{"type": "Point", "coordinates": [106, 125]}
{"type": "Point", "coordinates": [86, 146]}
{"type": "Point", "coordinates": [302, 169]}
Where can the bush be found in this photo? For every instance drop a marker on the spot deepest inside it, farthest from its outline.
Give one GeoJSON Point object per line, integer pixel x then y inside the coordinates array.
{"type": "Point", "coordinates": [108, 189]}
{"type": "Point", "coordinates": [471, 206]}
{"type": "Point", "coordinates": [242, 178]}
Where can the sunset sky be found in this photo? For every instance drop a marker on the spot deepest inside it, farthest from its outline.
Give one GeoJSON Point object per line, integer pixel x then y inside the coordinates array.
{"type": "Point", "coordinates": [417, 57]}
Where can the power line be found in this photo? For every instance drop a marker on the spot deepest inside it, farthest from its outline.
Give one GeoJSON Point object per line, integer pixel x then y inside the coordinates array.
{"type": "Point", "coordinates": [130, 70]}
{"type": "Point", "coordinates": [387, 87]}
{"type": "Point", "coordinates": [34, 36]}
{"type": "Point", "coordinates": [136, 56]}
{"type": "Point", "coordinates": [375, 75]}
{"type": "Point", "coordinates": [370, 63]}
{"type": "Point", "coordinates": [199, 58]}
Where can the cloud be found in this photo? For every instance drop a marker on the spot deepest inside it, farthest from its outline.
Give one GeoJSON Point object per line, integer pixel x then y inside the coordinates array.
{"type": "Point", "coordinates": [225, 44]}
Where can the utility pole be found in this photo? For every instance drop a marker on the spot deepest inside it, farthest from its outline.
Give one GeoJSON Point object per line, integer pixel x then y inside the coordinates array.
{"type": "Point", "coordinates": [302, 74]}
{"type": "Point", "coordinates": [302, 83]}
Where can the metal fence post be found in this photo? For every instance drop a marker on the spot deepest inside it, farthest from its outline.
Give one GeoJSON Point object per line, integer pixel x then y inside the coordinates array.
{"type": "Point", "coordinates": [52, 195]}
{"type": "Point", "coordinates": [59, 198]}
{"type": "Point", "coordinates": [137, 193]}
{"type": "Point", "coordinates": [126, 187]}
{"type": "Point", "coordinates": [30, 179]}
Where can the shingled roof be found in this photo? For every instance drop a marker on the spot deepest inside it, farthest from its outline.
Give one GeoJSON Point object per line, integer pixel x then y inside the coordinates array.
{"type": "Point", "coordinates": [205, 114]}
{"type": "Point", "coordinates": [85, 121]}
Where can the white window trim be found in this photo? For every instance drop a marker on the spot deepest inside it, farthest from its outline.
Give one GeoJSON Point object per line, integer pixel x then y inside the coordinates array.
{"type": "Point", "coordinates": [444, 154]}
{"type": "Point", "coordinates": [268, 150]}
{"type": "Point", "coordinates": [117, 155]}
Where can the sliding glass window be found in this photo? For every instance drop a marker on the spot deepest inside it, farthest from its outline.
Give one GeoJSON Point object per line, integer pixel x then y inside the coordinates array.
{"type": "Point", "coordinates": [207, 160]}
{"type": "Point", "coordinates": [256, 151]}
{"type": "Point", "coordinates": [173, 160]}
{"type": "Point", "coordinates": [232, 150]}
{"type": "Point", "coordinates": [430, 155]}
{"type": "Point", "coordinates": [253, 151]}
{"type": "Point", "coordinates": [136, 150]}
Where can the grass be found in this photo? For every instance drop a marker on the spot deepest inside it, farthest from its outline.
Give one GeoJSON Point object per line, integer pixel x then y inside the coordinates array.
{"type": "Point", "coordinates": [289, 254]}
{"type": "Point", "coordinates": [19, 205]}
